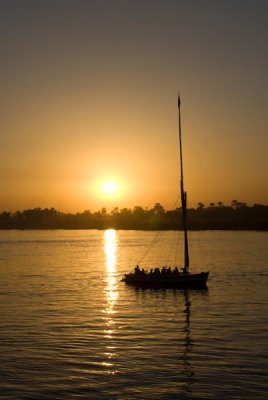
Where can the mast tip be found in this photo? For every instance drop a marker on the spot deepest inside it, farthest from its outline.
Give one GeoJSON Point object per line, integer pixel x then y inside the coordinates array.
{"type": "Point", "coordinates": [179, 99]}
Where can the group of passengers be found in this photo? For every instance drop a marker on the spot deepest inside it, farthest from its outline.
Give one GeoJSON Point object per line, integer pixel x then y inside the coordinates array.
{"type": "Point", "coordinates": [157, 271]}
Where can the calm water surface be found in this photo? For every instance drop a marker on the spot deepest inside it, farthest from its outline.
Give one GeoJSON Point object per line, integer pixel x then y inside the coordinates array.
{"type": "Point", "coordinates": [70, 329]}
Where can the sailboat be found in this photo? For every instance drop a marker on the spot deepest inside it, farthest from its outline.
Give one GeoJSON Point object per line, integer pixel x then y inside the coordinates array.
{"type": "Point", "coordinates": [166, 277]}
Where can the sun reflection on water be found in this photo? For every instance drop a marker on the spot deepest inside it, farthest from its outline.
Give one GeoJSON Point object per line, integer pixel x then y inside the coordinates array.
{"type": "Point", "coordinates": [110, 250]}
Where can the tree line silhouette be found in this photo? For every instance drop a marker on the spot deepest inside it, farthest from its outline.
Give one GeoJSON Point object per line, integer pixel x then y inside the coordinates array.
{"type": "Point", "coordinates": [236, 216]}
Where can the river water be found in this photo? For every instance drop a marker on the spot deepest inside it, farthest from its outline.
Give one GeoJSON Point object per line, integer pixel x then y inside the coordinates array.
{"type": "Point", "coordinates": [70, 329]}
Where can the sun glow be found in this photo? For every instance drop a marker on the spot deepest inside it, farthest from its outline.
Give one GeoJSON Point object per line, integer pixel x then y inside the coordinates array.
{"type": "Point", "coordinates": [110, 188]}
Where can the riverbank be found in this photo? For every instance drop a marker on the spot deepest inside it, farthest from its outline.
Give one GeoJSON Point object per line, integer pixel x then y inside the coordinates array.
{"type": "Point", "coordinates": [238, 217]}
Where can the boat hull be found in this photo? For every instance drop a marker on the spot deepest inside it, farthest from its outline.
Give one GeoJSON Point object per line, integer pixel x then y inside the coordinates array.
{"type": "Point", "coordinates": [181, 281]}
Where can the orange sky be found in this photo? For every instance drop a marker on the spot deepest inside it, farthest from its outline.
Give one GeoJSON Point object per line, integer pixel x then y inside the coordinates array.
{"type": "Point", "coordinates": [89, 94]}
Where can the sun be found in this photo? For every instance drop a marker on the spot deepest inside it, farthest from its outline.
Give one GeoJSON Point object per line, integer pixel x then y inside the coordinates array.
{"type": "Point", "coordinates": [110, 188]}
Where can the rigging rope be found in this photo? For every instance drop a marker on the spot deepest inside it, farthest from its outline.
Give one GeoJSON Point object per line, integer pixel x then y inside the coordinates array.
{"type": "Point", "coordinates": [159, 234]}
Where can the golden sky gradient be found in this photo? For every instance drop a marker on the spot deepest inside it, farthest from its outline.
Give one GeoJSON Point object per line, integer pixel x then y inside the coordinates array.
{"type": "Point", "coordinates": [89, 95]}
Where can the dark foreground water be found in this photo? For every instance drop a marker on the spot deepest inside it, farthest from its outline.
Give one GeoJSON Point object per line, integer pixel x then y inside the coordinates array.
{"type": "Point", "coordinates": [71, 330]}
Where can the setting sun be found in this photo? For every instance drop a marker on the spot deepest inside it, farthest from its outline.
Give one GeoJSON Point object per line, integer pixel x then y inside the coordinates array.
{"type": "Point", "coordinates": [110, 188]}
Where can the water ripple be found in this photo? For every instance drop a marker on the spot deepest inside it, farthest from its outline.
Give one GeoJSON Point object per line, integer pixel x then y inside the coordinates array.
{"type": "Point", "coordinates": [70, 329]}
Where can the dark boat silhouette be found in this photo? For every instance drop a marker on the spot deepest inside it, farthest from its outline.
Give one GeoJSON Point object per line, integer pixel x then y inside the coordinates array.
{"type": "Point", "coordinates": [165, 278]}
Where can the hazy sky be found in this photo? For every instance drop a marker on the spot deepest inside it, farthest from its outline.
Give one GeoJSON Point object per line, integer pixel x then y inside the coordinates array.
{"type": "Point", "coordinates": [89, 95]}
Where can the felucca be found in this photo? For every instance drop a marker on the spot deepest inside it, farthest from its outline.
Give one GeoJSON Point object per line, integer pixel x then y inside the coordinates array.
{"type": "Point", "coordinates": [167, 277]}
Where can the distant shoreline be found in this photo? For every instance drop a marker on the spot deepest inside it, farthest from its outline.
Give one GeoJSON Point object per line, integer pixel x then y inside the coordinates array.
{"type": "Point", "coordinates": [237, 217]}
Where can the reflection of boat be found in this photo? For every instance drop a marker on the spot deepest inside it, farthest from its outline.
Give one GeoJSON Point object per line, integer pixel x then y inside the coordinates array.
{"type": "Point", "coordinates": [168, 277]}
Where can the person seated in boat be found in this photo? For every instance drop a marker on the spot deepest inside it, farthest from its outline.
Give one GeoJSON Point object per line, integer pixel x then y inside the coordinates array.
{"type": "Point", "coordinates": [164, 271]}
{"type": "Point", "coordinates": [151, 271]}
{"type": "Point", "coordinates": [169, 270]}
{"type": "Point", "coordinates": [137, 270]}
{"type": "Point", "coordinates": [157, 271]}
{"type": "Point", "coordinates": [176, 271]}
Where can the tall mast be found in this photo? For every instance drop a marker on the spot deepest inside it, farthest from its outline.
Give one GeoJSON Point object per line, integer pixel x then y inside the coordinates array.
{"type": "Point", "coordinates": [183, 198]}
